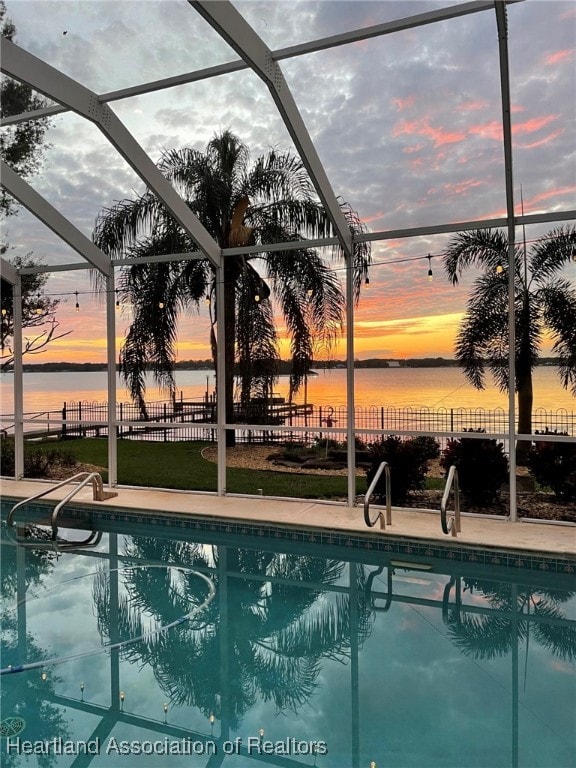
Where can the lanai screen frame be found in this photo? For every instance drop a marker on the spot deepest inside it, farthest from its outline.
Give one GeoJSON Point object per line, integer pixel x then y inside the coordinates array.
{"type": "Point", "coordinates": [257, 56]}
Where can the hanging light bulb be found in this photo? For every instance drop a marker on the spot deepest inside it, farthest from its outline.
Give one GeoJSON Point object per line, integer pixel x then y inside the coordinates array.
{"type": "Point", "coordinates": [309, 293]}
{"type": "Point", "coordinates": [256, 297]}
{"type": "Point", "coordinates": [77, 302]}
{"type": "Point", "coordinates": [499, 268]}
{"type": "Point", "coordinates": [367, 281]}
{"type": "Point", "coordinates": [122, 697]}
{"type": "Point", "coordinates": [117, 299]}
{"type": "Point", "coordinates": [82, 686]}
{"type": "Point", "coordinates": [430, 275]}
{"type": "Point", "coordinates": [4, 312]}
{"type": "Point", "coordinates": [207, 298]}
{"type": "Point", "coordinates": [160, 305]}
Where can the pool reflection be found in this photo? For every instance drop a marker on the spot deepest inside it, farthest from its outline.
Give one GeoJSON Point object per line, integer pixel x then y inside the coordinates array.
{"type": "Point", "coordinates": [330, 661]}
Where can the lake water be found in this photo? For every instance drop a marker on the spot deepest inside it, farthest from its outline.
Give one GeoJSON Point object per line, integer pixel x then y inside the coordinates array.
{"type": "Point", "coordinates": [388, 387]}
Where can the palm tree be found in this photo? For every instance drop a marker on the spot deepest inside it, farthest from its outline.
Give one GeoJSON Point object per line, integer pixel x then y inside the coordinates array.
{"type": "Point", "coordinates": [271, 201]}
{"type": "Point", "coordinates": [545, 305]}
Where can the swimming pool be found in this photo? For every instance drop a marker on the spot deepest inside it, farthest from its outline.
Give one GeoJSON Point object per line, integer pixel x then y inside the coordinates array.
{"type": "Point", "coordinates": [308, 653]}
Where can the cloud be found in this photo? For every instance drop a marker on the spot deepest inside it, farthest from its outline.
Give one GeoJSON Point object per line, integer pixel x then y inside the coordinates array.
{"type": "Point", "coordinates": [559, 57]}
{"type": "Point", "coordinates": [407, 125]}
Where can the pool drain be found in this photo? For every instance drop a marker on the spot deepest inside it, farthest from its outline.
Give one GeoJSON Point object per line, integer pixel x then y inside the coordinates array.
{"type": "Point", "coordinates": [12, 726]}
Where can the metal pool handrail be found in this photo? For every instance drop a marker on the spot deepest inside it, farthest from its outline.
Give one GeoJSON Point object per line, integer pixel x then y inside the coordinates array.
{"type": "Point", "coordinates": [371, 598]}
{"type": "Point", "coordinates": [384, 467]}
{"type": "Point", "coordinates": [99, 494]}
{"type": "Point", "coordinates": [453, 525]}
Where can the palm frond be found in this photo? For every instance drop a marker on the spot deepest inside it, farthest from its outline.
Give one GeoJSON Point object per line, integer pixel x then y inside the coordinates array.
{"type": "Point", "coordinates": [484, 637]}
{"type": "Point", "coordinates": [549, 255]}
{"type": "Point", "coordinates": [558, 301]}
{"type": "Point", "coordinates": [119, 228]}
{"type": "Point", "coordinates": [483, 336]}
{"type": "Point", "coordinates": [484, 248]}
{"type": "Point", "coordinates": [558, 639]}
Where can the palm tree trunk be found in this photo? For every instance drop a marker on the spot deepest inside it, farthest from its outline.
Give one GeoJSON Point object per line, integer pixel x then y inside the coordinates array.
{"type": "Point", "coordinates": [231, 274]}
{"type": "Point", "coordinates": [525, 389]}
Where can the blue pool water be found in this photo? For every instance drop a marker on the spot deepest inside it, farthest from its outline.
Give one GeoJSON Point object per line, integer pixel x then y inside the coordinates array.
{"type": "Point", "coordinates": [304, 655]}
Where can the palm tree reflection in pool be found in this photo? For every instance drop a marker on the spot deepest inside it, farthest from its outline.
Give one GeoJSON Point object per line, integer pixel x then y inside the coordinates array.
{"type": "Point", "coordinates": [494, 635]}
{"type": "Point", "coordinates": [257, 638]}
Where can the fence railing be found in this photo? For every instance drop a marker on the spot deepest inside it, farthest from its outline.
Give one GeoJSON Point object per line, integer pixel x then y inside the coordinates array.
{"type": "Point", "coordinates": [177, 420]}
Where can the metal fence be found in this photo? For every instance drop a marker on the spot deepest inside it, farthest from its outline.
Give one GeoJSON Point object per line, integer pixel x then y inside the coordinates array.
{"type": "Point", "coordinates": [177, 420]}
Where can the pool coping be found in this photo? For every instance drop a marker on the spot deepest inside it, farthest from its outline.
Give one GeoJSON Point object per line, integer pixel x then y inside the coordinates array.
{"type": "Point", "coordinates": [413, 533]}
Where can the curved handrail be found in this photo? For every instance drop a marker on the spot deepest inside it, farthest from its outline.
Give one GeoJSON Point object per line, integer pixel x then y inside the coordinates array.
{"type": "Point", "coordinates": [384, 467]}
{"type": "Point", "coordinates": [99, 494]}
{"type": "Point", "coordinates": [453, 525]}
{"type": "Point", "coordinates": [370, 598]}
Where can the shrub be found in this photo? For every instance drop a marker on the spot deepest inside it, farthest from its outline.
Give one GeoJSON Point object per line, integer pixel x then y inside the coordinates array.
{"type": "Point", "coordinates": [482, 468]}
{"type": "Point", "coordinates": [428, 446]}
{"type": "Point", "coordinates": [37, 462]}
{"type": "Point", "coordinates": [554, 465]}
{"type": "Point", "coordinates": [7, 455]}
{"type": "Point", "coordinates": [408, 466]}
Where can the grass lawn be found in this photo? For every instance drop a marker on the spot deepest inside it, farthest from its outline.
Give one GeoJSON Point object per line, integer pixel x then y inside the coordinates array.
{"type": "Point", "coordinates": [181, 465]}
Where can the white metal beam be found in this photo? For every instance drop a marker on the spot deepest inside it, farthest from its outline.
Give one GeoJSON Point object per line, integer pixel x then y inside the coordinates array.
{"type": "Point", "coordinates": [111, 380]}
{"type": "Point", "coordinates": [53, 219]}
{"type": "Point", "coordinates": [18, 380]}
{"type": "Point", "coordinates": [8, 272]}
{"type": "Point", "coordinates": [228, 22]}
{"type": "Point", "coordinates": [312, 46]}
{"type": "Point", "coordinates": [19, 64]}
{"type": "Point", "coordinates": [381, 236]}
{"type": "Point", "coordinates": [502, 24]}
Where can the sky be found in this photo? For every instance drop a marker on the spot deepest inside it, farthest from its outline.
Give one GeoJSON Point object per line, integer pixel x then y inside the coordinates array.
{"type": "Point", "coordinates": [407, 127]}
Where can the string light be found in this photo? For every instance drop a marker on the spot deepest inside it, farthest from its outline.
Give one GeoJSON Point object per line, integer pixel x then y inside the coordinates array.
{"type": "Point", "coordinates": [257, 297]}
{"type": "Point", "coordinates": [4, 312]}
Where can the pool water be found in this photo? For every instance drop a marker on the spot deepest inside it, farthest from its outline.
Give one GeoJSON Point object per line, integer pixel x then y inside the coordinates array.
{"type": "Point", "coordinates": [300, 657]}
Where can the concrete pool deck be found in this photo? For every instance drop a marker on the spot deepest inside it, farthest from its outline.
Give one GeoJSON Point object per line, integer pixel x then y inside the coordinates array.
{"type": "Point", "coordinates": [410, 523]}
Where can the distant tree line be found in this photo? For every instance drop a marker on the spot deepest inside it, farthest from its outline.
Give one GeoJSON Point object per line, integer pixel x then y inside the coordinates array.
{"type": "Point", "coordinates": [283, 366]}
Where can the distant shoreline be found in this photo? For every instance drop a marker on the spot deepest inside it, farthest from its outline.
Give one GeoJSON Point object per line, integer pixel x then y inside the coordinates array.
{"type": "Point", "coordinates": [284, 366]}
